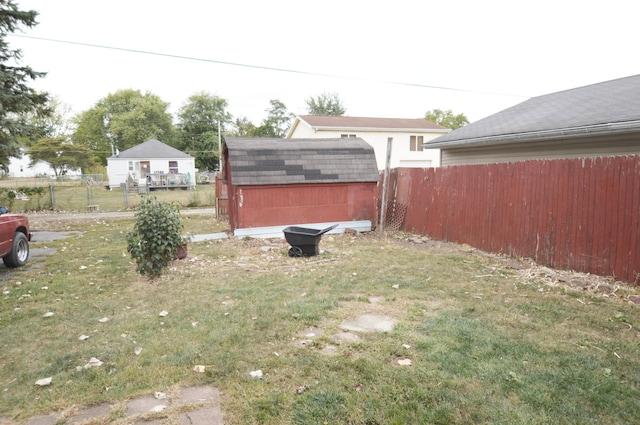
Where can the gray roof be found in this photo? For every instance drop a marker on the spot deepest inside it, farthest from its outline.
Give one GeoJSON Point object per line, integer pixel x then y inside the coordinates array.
{"type": "Point", "coordinates": [262, 161]}
{"type": "Point", "coordinates": [368, 123]}
{"type": "Point", "coordinates": [152, 149]}
{"type": "Point", "coordinates": [608, 107]}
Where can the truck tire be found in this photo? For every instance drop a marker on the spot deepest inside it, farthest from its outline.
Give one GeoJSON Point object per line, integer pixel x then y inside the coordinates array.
{"type": "Point", "coordinates": [19, 251]}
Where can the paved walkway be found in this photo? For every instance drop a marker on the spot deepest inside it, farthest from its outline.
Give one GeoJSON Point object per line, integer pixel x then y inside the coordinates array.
{"type": "Point", "coordinates": [47, 215]}
{"type": "Point", "coordinates": [192, 406]}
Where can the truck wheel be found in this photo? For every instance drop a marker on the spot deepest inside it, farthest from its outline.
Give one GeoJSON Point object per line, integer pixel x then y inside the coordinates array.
{"type": "Point", "coordinates": [19, 251]}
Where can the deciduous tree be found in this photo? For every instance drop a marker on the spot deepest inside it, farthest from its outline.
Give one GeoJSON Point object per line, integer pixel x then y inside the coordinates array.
{"type": "Point", "coordinates": [198, 121]}
{"type": "Point", "coordinates": [61, 155]}
{"type": "Point", "coordinates": [122, 120]}
{"type": "Point", "coordinates": [16, 98]}
{"type": "Point", "coordinates": [325, 104]}
{"type": "Point", "coordinates": [446, 118]}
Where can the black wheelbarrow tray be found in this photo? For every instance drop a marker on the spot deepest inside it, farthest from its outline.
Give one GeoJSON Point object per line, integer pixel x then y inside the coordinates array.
{"type": "Point", "coordinates": [304, 241]}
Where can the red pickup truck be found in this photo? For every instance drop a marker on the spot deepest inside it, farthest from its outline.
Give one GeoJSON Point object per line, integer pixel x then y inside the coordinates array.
{"type": "Point", "coordinates": [14, 238]}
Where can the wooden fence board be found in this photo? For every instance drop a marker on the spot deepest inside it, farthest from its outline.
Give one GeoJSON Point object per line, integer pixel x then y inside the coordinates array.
{"type": "Point", "coordinates": [580, 214]}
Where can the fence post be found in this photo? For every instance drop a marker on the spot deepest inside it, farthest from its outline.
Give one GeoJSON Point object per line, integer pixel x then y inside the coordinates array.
{"type": "Point", "coordinates": [126, 195]}
{"type": "Point", "coordinates": [52, 195]}
{"type": "Point", "coordinates": [383, 203]}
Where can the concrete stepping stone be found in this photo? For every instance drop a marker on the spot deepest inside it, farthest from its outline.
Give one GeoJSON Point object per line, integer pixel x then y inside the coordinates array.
{"type": "Point", "coordinates": [194, 395]}
{"type": "Point", "coordinates": [370, 322]}
{"type": "Point", "coordinates": [44, 420]}
{"type": "Point", "coordinates": [99, 411]}
{"type": "Point", "coordinates": [143, 405]}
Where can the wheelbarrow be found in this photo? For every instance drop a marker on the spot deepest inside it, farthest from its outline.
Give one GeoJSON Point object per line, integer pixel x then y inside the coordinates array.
{"type": "Point", "coordinates": [304, 241]}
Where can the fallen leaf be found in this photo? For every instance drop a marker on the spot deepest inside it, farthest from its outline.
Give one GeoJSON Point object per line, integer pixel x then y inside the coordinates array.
{"type": "Point", "coordinates": [93, 362]}
{"type": "Point", "coordinates": [163, 313]}
{"type": "Point", "coordinates": [104, 320]}
{"type": "Point", "coordinates": [405, 362]}
{"type": "Point", "coordinates": [406, 346]}
{"type": "Point", "coordinates": [396, 286]}
{"type": "Point", "coordinates": [256, 373]}
{"type": "Point", "coordinates": [160, 395]}
{"type": "Point", "coordinates": [44, 381]}
{"type": "Point", "coordinates": [158, 408]}
{"type": "Point", "coordinates": [137, 351]}
{"type": "Point", "coordinates": [83, 337]}
{"type": "Point", "coordinates": [48, 314]}
{"type": "Point", "coordinates": [198, 368]}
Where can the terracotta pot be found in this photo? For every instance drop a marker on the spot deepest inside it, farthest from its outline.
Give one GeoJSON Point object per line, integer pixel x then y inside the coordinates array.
{"type": "Point", "coordinates": [181, 253]}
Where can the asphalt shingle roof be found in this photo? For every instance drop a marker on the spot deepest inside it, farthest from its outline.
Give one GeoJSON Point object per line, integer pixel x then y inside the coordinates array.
{"type": "Point", "coordinates": [343, 122]}
{"type": "Point", "coordinates": [261, 161]}
{"type": "Point", "coordinates": [578, 110]}
{"type": "Point", "coordinates": [152, 149]}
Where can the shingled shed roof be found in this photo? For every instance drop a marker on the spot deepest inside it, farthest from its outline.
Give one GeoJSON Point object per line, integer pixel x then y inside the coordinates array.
{"type": "Point", "coordinates": [262, 161]}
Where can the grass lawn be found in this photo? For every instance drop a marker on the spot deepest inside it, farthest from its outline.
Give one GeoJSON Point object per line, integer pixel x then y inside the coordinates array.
{"type": "Point", "coordinates": [487, 344]}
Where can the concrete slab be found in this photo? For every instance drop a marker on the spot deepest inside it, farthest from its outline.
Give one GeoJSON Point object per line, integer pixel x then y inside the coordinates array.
{"type": "Point", "coordinates": [51, 419]}
{"type": "Point", "coordinates": [52, 236]}
{"type": "Point", "coordinates": [345, 337]}
{"type": "Point", "coordinates": [208, 416]}
{"type": "Point", "coordinates": [194, 395]}
{"type": "Point", "coordinates": [143, 405]}
{"type": "Point", "coordinates": [100, 411]}
{"type": "Point", "coordinates": [370, 322]}
{"type": "Point", "coordinates": [209, 237]}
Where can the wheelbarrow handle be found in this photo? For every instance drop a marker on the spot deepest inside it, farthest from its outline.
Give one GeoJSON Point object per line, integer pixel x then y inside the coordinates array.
{"type": "Point", "coordinates": [323, 231]}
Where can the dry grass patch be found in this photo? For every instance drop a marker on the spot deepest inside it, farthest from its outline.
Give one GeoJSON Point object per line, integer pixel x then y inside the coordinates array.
{"type": "Point", "coordinates": [485, 345]}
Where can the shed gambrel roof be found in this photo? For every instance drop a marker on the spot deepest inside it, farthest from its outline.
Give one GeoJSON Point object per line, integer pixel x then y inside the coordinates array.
{"type": "Point", "coordinates": [152, 149]}
{"type": "Point", "coordinates": [603, 108]}
{"type": "Point", "coordinates": [339, 123]}
{"type": "Point", "coordinates": [262, 161]}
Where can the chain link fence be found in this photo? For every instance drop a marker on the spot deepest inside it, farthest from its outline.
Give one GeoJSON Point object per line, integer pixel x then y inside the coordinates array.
{"type": "Point", "coordinates": [89, 192]}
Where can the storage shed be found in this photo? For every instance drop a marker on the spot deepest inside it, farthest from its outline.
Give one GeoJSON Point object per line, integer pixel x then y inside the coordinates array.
{"type": "Point", "coordinates": [277, 182]}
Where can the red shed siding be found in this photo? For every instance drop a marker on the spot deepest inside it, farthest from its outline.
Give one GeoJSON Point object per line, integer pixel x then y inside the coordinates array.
{"type": "Point", "coordinates": [579, 214]}
{"type": "Point", "coordinates": [258, 206]}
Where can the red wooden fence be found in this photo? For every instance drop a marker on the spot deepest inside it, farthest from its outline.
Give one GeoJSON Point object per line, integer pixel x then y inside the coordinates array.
{"type": "Point", "coordinates": [575, 214]}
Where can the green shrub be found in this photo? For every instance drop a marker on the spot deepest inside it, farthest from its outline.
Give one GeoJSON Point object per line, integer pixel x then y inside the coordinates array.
{"type": "Point", "coordinates": [156, 236]}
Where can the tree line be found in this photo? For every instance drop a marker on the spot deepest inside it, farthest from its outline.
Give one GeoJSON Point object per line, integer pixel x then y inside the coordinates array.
{"type": "Point", "coordinates": [41, 123]}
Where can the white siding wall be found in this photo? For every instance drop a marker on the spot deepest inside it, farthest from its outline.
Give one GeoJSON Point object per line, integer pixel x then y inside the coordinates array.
{"type": "Point", "coordinates": [552, 149]}
{"type": "Point", "coordinates": [401, 155]}
{"type": "Point", "coordinates": [118, 169]}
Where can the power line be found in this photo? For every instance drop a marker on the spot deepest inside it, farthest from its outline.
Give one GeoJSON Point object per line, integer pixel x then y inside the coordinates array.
{"type": "Point", "coordinates": [266, 68]}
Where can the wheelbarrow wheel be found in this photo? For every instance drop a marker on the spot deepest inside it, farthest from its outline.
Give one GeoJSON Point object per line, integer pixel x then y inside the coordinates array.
{"type": "Point", "coordinates": [295, 251]}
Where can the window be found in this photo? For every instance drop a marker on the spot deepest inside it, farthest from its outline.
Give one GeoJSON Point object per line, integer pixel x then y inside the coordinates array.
{"type": "Point", "coordinates": [344, 136]}
{"type": "Point", "coordinates": [415, 143]}
{"type": "Point", "coordinates": [130, 165]}
{"type": "Point", "coordinates": [173, 167]}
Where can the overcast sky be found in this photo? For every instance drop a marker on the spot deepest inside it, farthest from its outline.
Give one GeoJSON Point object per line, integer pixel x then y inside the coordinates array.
{"type": "Point", "coordinates": [396, 58]}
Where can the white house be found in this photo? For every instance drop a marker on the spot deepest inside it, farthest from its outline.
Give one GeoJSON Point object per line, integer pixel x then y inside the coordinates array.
{"type": "Point", "coordinates": [153, 163]}
{"type": "Point", "coordinates": [408, 135]}
{"type": "Point", "coordinates": [21, 167]}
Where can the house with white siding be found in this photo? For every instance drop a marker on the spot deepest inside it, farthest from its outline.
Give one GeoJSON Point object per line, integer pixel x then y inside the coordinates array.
{"type": "Point", "coordinates": [408, 134]}
{"type": "Point", "coordinates": [154, 164]}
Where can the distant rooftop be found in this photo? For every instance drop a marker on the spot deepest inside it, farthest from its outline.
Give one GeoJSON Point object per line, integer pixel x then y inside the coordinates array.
{"type": "Point", "coordinates": [365, 123]}
{"type": "Point", "coordinates": [152, 149]}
